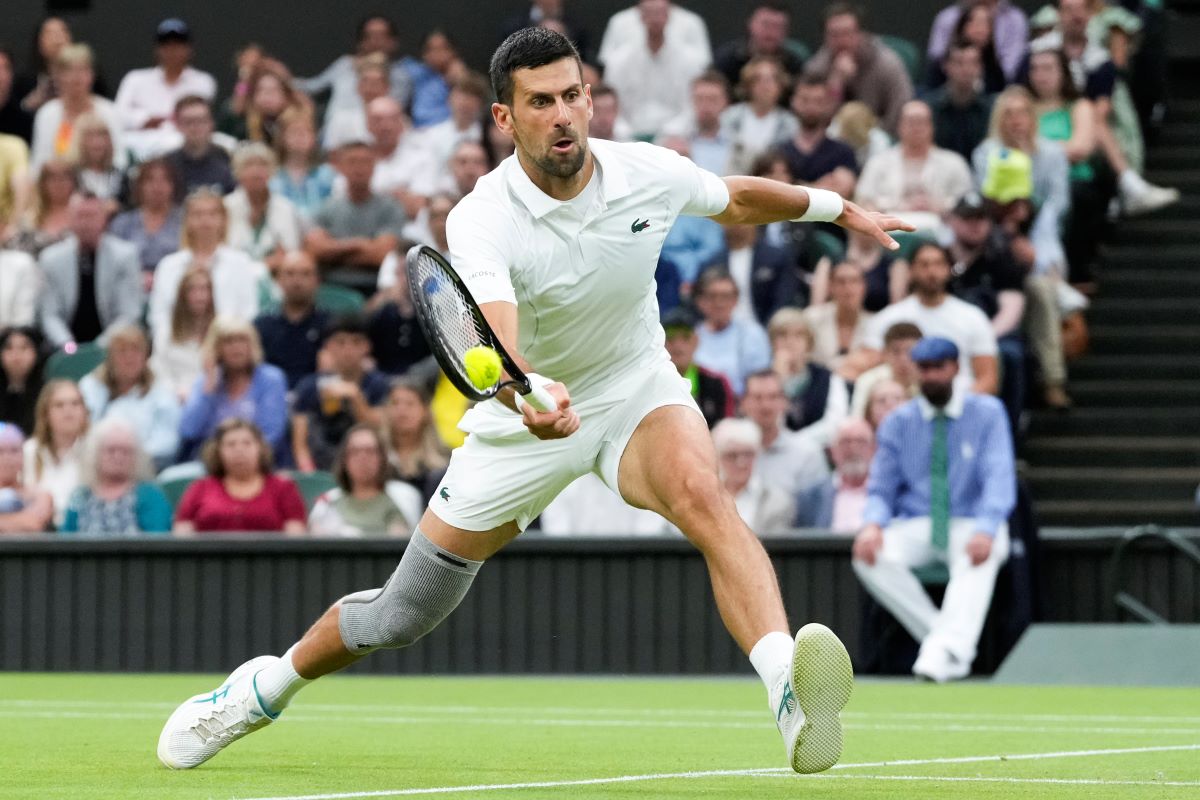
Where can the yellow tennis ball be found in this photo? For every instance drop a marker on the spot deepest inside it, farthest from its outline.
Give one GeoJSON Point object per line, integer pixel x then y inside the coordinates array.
{"type": "Point", "coordinates": [483, 366]}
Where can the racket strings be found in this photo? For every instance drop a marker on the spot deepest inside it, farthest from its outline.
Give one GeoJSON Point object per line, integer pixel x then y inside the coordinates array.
{"type": "Point", "coordinates": [455, 324]}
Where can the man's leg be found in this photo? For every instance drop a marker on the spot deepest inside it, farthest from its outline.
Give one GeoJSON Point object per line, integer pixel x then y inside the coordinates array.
{"type": "Point", "coordinates": [890, 579]}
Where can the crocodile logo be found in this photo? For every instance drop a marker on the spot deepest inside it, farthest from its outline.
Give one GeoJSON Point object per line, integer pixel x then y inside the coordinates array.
{"type": "Point", "coordinates": [639, 225]}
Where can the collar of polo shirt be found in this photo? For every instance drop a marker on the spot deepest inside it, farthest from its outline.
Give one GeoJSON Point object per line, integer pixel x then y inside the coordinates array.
{"type": "Point", "coordinates": [614, 185]}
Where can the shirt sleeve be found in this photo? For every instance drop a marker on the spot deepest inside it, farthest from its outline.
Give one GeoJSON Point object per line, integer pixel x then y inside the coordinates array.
{"type": "Point", "coordinates": [883, 485]}
{"type": "Point", "coordinates": [189, 504]}
{"type": "Point", "coordinates": [696, 191]}
{"type": "Point", "coordinates": [981, 341]}
{"type": "Point", "coordinates": [306, 395]}
{"type": "Point", "coordinates": [480, 254]}
{"type": "Point", "coordinates": [291, 504]}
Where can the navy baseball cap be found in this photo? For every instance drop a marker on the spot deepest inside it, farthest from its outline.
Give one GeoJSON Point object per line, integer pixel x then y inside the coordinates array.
{"type": "Point", "coordinates": [932, 349]}
{"type": "Point", "coordinates": [173, 29]}
{"type": "Point", "coordinates": [680, 317]}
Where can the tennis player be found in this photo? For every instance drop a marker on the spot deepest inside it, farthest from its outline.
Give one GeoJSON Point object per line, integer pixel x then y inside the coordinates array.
{"type": "Point", "coordinates": [559, 245]}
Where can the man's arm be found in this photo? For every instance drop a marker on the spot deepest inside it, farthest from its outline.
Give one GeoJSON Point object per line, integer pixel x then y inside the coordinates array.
{"type": "Point", "coordinates": [372, 252]}
{"type": "Point", "coordinates": [987, 380]}
{"type": "Point", "coordinates": [1011, 308]}
{"type": "Point", "coordinates": [323, 247]}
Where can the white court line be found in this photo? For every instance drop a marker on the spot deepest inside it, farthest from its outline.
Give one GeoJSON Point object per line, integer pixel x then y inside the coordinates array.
{"type": "Point", "coordinates": [725, 773]}
{"type": "Point", "coordinates": [980, 779]}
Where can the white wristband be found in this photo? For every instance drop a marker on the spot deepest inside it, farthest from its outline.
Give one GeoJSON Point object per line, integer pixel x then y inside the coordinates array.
{"type": "Point", "coordinates": [823, 206]}
{"type": "Point", "coordinates": [535, 381]}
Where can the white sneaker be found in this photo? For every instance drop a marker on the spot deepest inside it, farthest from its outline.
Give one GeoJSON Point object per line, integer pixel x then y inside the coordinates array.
{"type": "Point", "coordinates": [936, 663]}
{"type": "Point", "coordinates": [810, 697]}
{"type": "Point", "coordinates": [205, 724]}
{"type": "Point", "coordinates": [1149, 199]}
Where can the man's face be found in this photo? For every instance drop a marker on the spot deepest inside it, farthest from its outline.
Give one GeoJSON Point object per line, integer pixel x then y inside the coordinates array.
{"type": "Point", "coordinates": [842, 34]}
{"type": "Point", "coordinates": [717, 302]}
{"type": "Point", "coordinates": [347, 350]}
{"type": "Point", "coordinates": [768, 28]}
{"type": "Point", "coordinates": [971, 231]}
{"type": "Point", "coordinates": [937, 380]}
{"type": "Point", "coordinates": [852, 449]}
{"type": "Point", "coordinates": [764, 401]}
{"type": "Point", "coordinates": [439, 211]}
{"type": "Point", "coordinates": [681, 346]}
{"type": "Point", "coordinates": [465, 107]}
{"type": "Point", "coordinates": [549, 116]}
{"type": "Point", "coordinates": [708, 101]}
{"type": "Point", "coordinates": [895, 355]}
{"type": "Point", "coordinates": [372, 84]}
{"type": "Point", "coordinates": [847, 286]}
{"type": "Point", "coordinates": [377, 38]}
{"type": "Point", "coordinates": [916, 125]}
{"type": "Point", "coordinates": [357, 164]}
{"type": "Point", "coordinates": [604, 116]}
{"type": "Point", "coordinates": [298, 279]}
{"type": "Point", "coordinates": [468, 164]}
{"type": "Point", "coordinates": [1073, 16]}
{"type": "Point", "coordinates": [929, 271]}
{"type": "Point", "coordinates": [173, 54]}
{"type": "Point", "coordinates": [964, 67]}
{"type": "Point", "coordinates": [195, 122]}
{"type": "Point", "coordinates": [88, 219]}
{"type": "Point", "coordinates": [655, 14]}
{"type": "Point", "coordinates": [812, 105]}
{"type": "Point", "coordinates": [385, 122]}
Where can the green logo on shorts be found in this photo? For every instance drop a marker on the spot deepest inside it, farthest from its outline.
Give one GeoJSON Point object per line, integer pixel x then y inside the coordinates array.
{"type": "Point", "coordinates": [444, 494]}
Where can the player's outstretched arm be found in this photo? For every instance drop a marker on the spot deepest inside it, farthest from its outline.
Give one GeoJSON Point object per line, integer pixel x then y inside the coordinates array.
{"type": "Point", "coordinates": [758, 201]}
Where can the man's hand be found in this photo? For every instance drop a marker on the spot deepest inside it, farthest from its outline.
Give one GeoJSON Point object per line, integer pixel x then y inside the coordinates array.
{"type": "Point", "coordinates": [979, 548]}
{"type": "Point", "coordinates": [872, 223]}
{"type": "Point", "coordinates": [867, 544]}
{"type": "Point", "coordinates": [557, 424]}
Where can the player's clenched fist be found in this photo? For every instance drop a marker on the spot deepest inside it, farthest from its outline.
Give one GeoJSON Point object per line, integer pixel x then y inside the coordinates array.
{"type": "Point", "coordinates": [552, 424]}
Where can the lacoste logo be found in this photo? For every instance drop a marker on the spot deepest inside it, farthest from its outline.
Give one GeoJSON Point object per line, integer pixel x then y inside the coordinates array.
{"type": "Point", "coordinates": [639, 225]}
{"type": "Point", "coordinates": [444, 494]}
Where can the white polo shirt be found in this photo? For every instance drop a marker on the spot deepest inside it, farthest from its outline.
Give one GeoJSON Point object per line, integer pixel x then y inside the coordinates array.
{"type": "Point", "coordinates": [583, 285]}
{"type": "Point", "coordinates": [955, 319]}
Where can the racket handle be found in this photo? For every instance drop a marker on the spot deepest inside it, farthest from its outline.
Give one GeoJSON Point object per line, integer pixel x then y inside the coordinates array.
{"type": "Point", "coordinates": [539, 398]}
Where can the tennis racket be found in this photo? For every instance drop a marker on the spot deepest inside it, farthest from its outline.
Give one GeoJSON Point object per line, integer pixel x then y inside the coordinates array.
{"type": "Point", "coordinates": [453, 324]}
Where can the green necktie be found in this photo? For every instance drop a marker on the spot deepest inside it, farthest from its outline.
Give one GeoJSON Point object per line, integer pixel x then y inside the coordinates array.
{"type": "Point", "coordinates": [939, 485]}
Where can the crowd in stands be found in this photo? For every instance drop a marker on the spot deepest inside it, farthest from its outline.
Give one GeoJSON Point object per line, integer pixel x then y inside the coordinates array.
{"type": "Point", "coordinates": [202, 280]}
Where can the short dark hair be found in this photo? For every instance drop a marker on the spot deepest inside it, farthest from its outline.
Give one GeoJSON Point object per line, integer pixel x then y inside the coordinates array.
{"type": "Point", "coordinates": [711, 275]}
{"type": "Point", "coordinates": [714, 77]}
{"type": "Point", "coordinates": [772, 5]}
{"type": "Point", "coordinates": [604, 90]}
{"type": "Point", "coordinates": [841, 8]}
{"type": "Point", "coordinates": [902, 331]}
{"type": "Point", "coordinates": [813, 79]}
{"type": "Point", "coordinates": [763, 374]}
{"type": "Point", "coordinates": [351, 322]}
{"type": "Point", "coordinates": [528, 48]}
{"type": "Point", "coordinates": [945, 252]}
{"type": "Point", "coordinates": [361, 30]}
{"type": "Point", "coordinates": [189, 101]}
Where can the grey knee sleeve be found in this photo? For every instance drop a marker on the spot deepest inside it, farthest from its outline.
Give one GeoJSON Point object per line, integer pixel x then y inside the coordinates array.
{"type": "Point", "coordinates": [428, 584]}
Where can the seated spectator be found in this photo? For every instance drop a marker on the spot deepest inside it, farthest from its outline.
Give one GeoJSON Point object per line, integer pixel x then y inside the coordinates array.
{"type": "Point", "coordinates": [758, 123]}
{"type": "Point", "coordinates": [469, 96]}
{"type": "Point", "coordinates": [19, 278]}
{"type": "Point", "coordinates": [155, 223]}
{"type": "Point", "coordinates": [938, 313]}
{"type": "Point", "coordinates": [199, 163]}
{"type": "Point", "coordinates": [1010, 33]}
{"type": "Point", "coordinates": [499, 145]}
{"type": "Point", "coordinates": [606, 122]}
{"type": "Point", "coordinates": [53, 125]}
{"type": "Point", "coordinates": [177, 357]}
{"type": "Point", "coordinates": [545, 13]}
{"type": "Point", "coordinates": [839, 326]}
{"type": "Point", "coordinates": [293, 335]}
{"type": "Point", "coordinates": [941, 490]}
{"type": "Point", "coordinates": [240, 493]}
{"type": "Point", "coordinates": [710, 390]}
{"type": "Point", "coordinates": [236, 278]}
{"type": "Point", "coordinates": [235, 383]}
{"type": "Point", "coordinates": [766, 508]}
{"type": "Point", "coordinates": [269, 94]}
{"type": "Point", "coordinates": [468, 163]}
{"type": "Point", "coordinates": [961, 109]}
{"type": "Point", "coordinates": [124, 387]}
{"type": "Point", "coordinates": [839, 503]}
{"type": "Point", "coordinates": [813, 158]}
{"type": "Point", "coordinates": [898, 340]}
{"type": "Point", "coordinates": [431, 77]}
{"type": "Point", "coordinates": [700, 132]}
{"type": "Point", "coordinates": [116, 496]}
{"type": "Point", "coordinates": [303, 178]}
{"type": "Point", "coordinates": [856, 125]}
{"type": "Point", "coordinates": [350, 124]}
{"type": "Point", "coordinates": [21, 371]}
{"type": "Point", "coordinates": [332, 401]}
{"type": "Point", "coordinates": [406, 166]}
{"type": "Point", "coordinates": [973, 29]}
{"type": "Point", "coordinates": [397, 342]}
{"type": "Point", "coordinates": [60, 423]}
{"type": "Point", "coordinates": [692, 244]}
{"type": "Point", "coordinates": [23, 508]}
{"type": "Point", "coordinates": [790, 460]}
{"type": "Point", "coordinates": [91, 154]}
{"type": "Point", "coordinates": [15, 118]}
{"type": "Point", "coordinates": [48, 220]}
{"type": "Point", "coordinates": [92, 281]}
{"type": "Point", "coordinates": [413, 446]}
{"type": "Point", "coordinates": [353, 234]}
{"type": "Point", "coordinates": [587, 507]}
{"type": "Point", "coordinates": [684, 28]}
{"type": "Point", "coordinates": [885, 397]}
{"type": "Point", "coordinates": [731, 346]}
{"type": "Point", "coordinates": [766, 35]}
{"type": "Point", "coordinates": [816, 398]}
{"type": "Point", "coordinates": [35, 87]}
{"type": "Point", "coordinates": [367, 500]}
{"type": "Point", "coordinates": [859, 66]}
{"type": "Point", "coordinates": [262, 225]}
{"type": "Point", "coordinates": [14, 178]}
{"type": "Point", "coordinates": [915, 179]}
{"type": "Point", "coordinates": [884, 275]}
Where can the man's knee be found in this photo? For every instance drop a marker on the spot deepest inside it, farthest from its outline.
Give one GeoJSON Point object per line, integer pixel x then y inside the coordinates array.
{"type": "Point", "coordinates": [698, 496]}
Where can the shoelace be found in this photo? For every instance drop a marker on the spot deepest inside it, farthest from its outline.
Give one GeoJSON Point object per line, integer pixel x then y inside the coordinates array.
{"type": "Point", "coordinates": [223, 724]}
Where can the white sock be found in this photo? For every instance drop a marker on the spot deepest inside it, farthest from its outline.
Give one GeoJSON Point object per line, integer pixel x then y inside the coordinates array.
{"type": "Point", "coordinates": [772, 657]}
{"type": "Point", "coordinates": [1132, 183]}
{"type": "Point", "coordinates": [278, 683]}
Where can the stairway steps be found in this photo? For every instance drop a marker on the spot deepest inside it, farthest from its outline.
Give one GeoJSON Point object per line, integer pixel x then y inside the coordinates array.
{"type": "Point", "coordinates": [1113, 451]}
{"type": "Point", "coordinates": [1186, 180]}
{"type": "Point", "coordinates": [1143, 394]}
{"type": "Point", "coordinates": [1179, 133]}
{"type": "Point", "coordinates": [1145, 311]}
{"type": "Point", "coordinates": [1188, 208]}
{"type": "Point", "coordinates": [1093, 367]}
{"type": "Point", "coordinates": [1163, 256]}
{"type": "Point", "coordinates": [1125, 422]}
{"type": "Point", "coordinates": [1177, 156]}
{"type": "Point", "coordinates": [1154, 230]}
{"type": "Point", "coordinates": [1136, 339]}
{"type": "Point", "coordinates": [1123, 281]}
{"type": "Point", "coordinates": [1102, 513]}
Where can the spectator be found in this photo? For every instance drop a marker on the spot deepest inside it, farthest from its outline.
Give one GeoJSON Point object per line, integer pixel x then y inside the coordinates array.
{"type": "Point", "coordinates": [816, 398]}
{"type": "Point", "coordinates": [766, 35]}
{"type": "Point", "coordinates": [898, 341]}
{"type": "Point", "coordinates": [270, 93]}
{"type": "Point", "coordinates": [915, 179]}
{"type": "Point", "coordinates": [397, 342]}
{"type": "Point", "coordinates": [235, 383]}
{"type": "Point", "coordinates": [199, 163]}
{"type": "Point", "coordinates": [858, 66]}
{"type": "Point", "coordinates": [155, 223]}
{"type": "Point", "coordinates": [938, 313]}
{"type": "Point", "coordinates": [19, 278]}
{"type": "Point", "coordinates": [885, 397]}
{"type": "Point", "coordinates": [91, 154]}
{"type": "Point", "coordinates": [606, 120]}
{"type": "Point", "coordinates": [240, 493]}
{"type": "Point", "coordinates": [15, 118]}
{"type": "Point", "coordinates": [431, 78]}
{"type": "Point", "coordinates": [293, 335]}
{"type": "Point", "coordinates": [973, 29]}
{"type": "Point", "coordinates": [812, 157]}
{"type": "Point", "coordinates": [941, 490]}
{"type": "Point", "coordinates": [710, 390]}
{"type": "Point", "coordinates": [839, 503]}
{"type": "Point", "coordinates": [884, 274]}
{"type": "Point", "coordinates": [125, 387]}
{"type": "Point", "coordinates": [469, 96]}
{"type": "Point", "coordinates": [789, 459]}
{"type": "Point", "coordinates": [766, 508]}
{"type": "Point", "coordinates": [177, 347]}
{"type": "Point", "coordinates": [23, 508]}
{"type": "Point", "coordinates": [961, 109]}
{"type": "Point", "coordinates": [405, 166]}
{"type": "Point", "coordinates": [650, 71]}
{"type": "Point", "coordinates": [60, 423]}
{"type": "Point", "coordinates": [413, 446]}
{"type": "Point", "coordinates": [49, 220]}
{"type": "Point", "coordinates": [587, 507]}
{"type": "Point", "coordinates": [21, 369]}
{"type": "Point", "coordinates": [115, 496]}
{"type": "Point", "coordinates": [303, 178]}
{"type": "Point", "coordinates": [262, 225]}
{"type": "Point", "coordinates": [856, 125]}
{"type": "Point", "coordinates": [840, 325]}
{"type": "Point", "coordinates": [146, 98]}
{"type": "Point", "coordinates": [235, 277]}
{"type": "Point", "coordinates": [36, 86]}
{"type": "Point", "coordinates": [731, 346]}
{"type": "Point", "coordinates": [14, 180]}
{"type": "Point", "coordinates": [350, 124]}
{"type": "Point", "coordinates": [545, 12]}
{"type": "Point", "coordinates": [245, 60]}
{"type": "Point", "coordinates": [53, 125]}
{"type": "Point", "coordinates": [93, 282]}
{"type": "Point", "coordinates": [1010, 33]}
{"type": "Point", "coordinates": [758, 123]}
{"type": "Point", "coordinates": [468, 163]}
{"type": "Point", "coordinates": [499, 145]}
{"type": "Point", "coordinates": [703, 139]}
{"type": "Point", "coordinates": [353, 234]}
{"type": "Point", "coordinates": [694, 243]}
{"type": "Point", "coordinates": [764, 267]}
{"type": "Point", "coordinates": [368, 501]}
{"type": "Point", "coordinates": [332, 401]}
{"type": "Point", "coordinates": [684, 29]}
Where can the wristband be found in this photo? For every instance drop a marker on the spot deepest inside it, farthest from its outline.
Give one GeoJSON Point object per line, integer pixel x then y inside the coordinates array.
{"type": "Point", "coordinates": [535, 381]}
{"type": "Point", "coordinates": [823, 206]}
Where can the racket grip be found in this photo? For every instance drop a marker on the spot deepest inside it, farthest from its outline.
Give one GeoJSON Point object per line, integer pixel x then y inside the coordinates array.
{"type": "Point", "coordinates": [539, 398]}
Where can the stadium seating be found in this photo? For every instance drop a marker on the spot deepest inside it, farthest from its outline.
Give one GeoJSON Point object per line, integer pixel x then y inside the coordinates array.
{"type": "Point", "coordinates": [74, 366]}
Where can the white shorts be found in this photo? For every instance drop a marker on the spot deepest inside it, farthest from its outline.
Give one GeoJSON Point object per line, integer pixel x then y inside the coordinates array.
{"type": "Point", "coordinates": [503, 473]}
